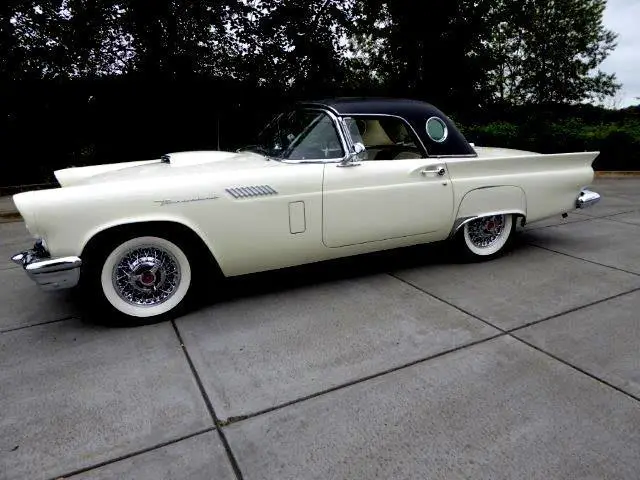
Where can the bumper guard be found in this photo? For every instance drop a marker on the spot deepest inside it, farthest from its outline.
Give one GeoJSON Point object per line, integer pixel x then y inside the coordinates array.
{"type": "Point", "coordinates": [49, 273]}
{"type": "Point", "coordinates": [586, 198]}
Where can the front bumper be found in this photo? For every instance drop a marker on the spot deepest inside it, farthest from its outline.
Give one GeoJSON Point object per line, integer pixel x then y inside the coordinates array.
{"type": "Point", "coordinates": [586, 198]}
{"type": "Point", "coordinates": [49, 273]}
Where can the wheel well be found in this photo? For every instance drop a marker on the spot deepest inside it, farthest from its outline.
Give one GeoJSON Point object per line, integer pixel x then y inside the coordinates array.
{"type": "Point", "coordinates": [190, 240]}
{"type": "Point", "coordinates": [459, 223]}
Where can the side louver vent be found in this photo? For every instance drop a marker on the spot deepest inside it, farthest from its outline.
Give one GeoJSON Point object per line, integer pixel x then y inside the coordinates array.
{"type": "Point", "coordinates": [254, 191]}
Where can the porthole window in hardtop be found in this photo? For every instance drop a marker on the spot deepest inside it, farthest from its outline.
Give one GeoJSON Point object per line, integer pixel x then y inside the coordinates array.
{"type": "Point", "coordinates": [384, 137]}
{"type": "Point", "coordinates": [437, 129]}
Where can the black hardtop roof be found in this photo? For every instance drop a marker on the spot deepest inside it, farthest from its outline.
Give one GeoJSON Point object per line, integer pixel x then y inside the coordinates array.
{"type": "Point", "coordinates": [389, 106]}
{"type": "Point", "coordinates": [415, 112]}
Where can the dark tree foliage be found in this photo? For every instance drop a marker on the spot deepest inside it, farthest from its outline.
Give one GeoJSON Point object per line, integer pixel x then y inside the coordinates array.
{"type": "Point", "coordinates": [93, 81]}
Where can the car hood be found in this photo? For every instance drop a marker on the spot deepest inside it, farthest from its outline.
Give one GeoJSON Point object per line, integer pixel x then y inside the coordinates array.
{"type": "Point", "coordinates": [174, 164]}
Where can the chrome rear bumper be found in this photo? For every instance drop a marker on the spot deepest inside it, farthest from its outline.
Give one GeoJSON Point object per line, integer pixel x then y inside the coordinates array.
{"type": "Point", "coordinates": [586, 198]}
{"type": "Point", "coordinates": [49, 273]}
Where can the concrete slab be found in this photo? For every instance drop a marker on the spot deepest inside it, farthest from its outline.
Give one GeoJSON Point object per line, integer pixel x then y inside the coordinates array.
{"type": "Point", "coordinates": [74, 395]}
{"type": "Point", "coordinates": [263, 351]}
{"type": "Point", "coordinates": [13, 239]}
{"type": "Point", "coordinates": [14, 232]}
{"type": "Point", "coordinates": [526, 285]}
{"type": "Point", "coordinates": [632, 218]}
{"type": "Point", "coordinates": [24, 303]}
{"type": "Point", "coordinates": [611, 205]}
{"type": "Point", "coordinates": [601, 240]}
{"type": "Point", "coordinates": [602, 340]}
{"type": "Point", "coordinates": [497, 410]}
{"type": "Point", "coordinates": [557, 220]}
{"type": "Point", "coordinates": [6, 204]}
{"type": "Point", "coordinates": [197, 458]}
{"type": "Point", "coordinates": [617, 186]}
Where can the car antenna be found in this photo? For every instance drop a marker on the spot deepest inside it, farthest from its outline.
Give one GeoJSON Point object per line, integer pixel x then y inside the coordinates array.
{"type": "Point", "coordinates": [218, 130]}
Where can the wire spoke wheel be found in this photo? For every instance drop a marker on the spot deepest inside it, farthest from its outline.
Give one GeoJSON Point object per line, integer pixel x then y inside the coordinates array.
{"type": "Point", "coordinates": [146, 276]}
{"type": "Point", "coordinates": [485, 231]}
{"type": "Point", "coordinates": [487, 236]}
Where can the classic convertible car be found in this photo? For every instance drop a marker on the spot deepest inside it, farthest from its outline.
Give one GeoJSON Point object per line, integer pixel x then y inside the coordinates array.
{"type": "Point", "coordinates": [323, 180]}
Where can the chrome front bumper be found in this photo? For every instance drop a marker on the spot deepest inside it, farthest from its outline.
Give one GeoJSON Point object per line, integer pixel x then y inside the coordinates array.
{"type": "Point", "coordinates": [586, 198]}
{"type": "Point", "coordinates": [49, 273]}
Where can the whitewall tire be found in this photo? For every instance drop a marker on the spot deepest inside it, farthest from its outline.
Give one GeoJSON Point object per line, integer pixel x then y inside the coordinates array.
{"type": "Point", "coordinates": [145, 277]}
{"type": "Point", "coordinates": [487, 237]}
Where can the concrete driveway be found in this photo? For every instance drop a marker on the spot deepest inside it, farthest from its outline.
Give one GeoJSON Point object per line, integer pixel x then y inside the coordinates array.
{"type": "Point", "coordinates": [396, 365]}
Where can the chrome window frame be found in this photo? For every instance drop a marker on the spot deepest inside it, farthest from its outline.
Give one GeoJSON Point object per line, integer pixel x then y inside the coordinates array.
{"type": "Point", "coordinates": [338, 126]}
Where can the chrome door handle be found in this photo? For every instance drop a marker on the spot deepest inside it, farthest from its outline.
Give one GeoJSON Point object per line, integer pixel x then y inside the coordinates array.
{"type": "Point", "coordinates": [439, 170]}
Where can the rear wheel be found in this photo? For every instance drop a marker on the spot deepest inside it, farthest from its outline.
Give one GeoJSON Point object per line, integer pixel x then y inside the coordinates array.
{"type": "Point", "coordinates": [486, 237]}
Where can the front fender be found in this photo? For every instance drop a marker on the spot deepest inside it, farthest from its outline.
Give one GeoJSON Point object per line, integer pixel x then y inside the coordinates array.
{"type": "Point", "coordinates": [123, 222]}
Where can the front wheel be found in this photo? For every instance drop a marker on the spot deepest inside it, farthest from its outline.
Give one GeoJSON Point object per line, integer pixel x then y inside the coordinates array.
{"type": "Point", "coordinates": [141, 279]}
{"type": "Point", "coordinates": [486, 237]}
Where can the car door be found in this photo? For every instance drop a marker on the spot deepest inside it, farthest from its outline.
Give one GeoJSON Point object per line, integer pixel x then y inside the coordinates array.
{"type": "Point", "coordinates": [384, 199]}
{"type": "Point", "coordinates": [390, 194]}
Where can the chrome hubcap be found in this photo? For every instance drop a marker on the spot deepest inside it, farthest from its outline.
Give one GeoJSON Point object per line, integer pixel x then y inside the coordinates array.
{"type": "Point", "coordinates": [146, 276]}
{"type": "Point", "coordinates": [483, 232]}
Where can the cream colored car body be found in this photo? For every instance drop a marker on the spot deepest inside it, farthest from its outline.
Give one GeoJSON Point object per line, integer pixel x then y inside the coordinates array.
{"type": "Point", "coordinates": [292, 213]}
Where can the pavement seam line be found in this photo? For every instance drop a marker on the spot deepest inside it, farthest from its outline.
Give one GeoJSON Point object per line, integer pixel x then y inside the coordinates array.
{"type": "Point", "coordinates": [510, 333]}
{"type": "Point", "coordinates": [132, 454]}
{"type": "Point", "coordinates": [460, 309]}
{"type": "Point", "coordinates": [239, 418]}
{"type": "Point", "coordinates": [223, 438]}
{"type": "Point", "coordinates": [620, 221]}
{"type": "Point", "coordinates": [624, 223]}
{"type": "Point", "coordinates": [572, 310]}
{"type": "Point", "coordinates": [49, 322]}
{"type": "Point", "coordinates": [608, 215]}
{"type": "Point", "coordinates": [586, 219]}
{"type": "Point", "coordinates": [575, 367]}
{"type": "Point", "coordinates": [582, 259]}
{"type": "Point", "coordinates": [529, 324]}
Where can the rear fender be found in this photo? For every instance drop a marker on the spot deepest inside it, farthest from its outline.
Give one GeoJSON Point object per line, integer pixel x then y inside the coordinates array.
{"type": "Point", "coordinates": [497, 200]}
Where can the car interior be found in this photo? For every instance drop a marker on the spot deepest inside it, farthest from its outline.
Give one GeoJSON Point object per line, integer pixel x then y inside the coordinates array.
{"type": "Point", "coordinates": [385, 138]}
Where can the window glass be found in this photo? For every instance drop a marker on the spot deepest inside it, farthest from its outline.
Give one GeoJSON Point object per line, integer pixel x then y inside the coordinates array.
{"type": "Point", "coordinates": [385, 138]}
{"type": "Point", "coordinates": [436, 129]}
{"type": "Point", "coordinates": [300, 135]}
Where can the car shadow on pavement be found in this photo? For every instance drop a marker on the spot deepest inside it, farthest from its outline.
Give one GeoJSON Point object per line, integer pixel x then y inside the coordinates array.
{"type": "Point", "coordinates": [292, 278]}
{"type": "Point", "coordinates": [348, 268]}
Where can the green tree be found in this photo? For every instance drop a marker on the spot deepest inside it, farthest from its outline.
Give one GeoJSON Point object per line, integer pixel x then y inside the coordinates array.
{"type": "Point", "coordinates": [296, 43]}
{"type": "Point", "coordinates": [477, 52]}
{"type": "Point", "coordinates": [563, 44]}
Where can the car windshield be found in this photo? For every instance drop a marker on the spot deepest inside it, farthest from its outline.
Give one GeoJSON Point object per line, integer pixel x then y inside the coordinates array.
{"type": "Point", "coordinates": [299, 135]}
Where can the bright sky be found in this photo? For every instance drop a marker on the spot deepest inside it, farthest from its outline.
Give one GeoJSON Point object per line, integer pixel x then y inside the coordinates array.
{"type": "Point", "coordinates": [623, 17]}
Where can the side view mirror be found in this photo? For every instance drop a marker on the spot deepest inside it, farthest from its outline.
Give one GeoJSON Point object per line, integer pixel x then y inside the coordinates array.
{"type": "Point", "coordinates": [351, 159]}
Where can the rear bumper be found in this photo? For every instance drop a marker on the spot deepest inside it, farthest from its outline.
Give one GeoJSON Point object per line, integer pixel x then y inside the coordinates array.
{"type": "Point", "coordinates": [49, 273]}
{"type": "Point", "coordinates": [586, 198]}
